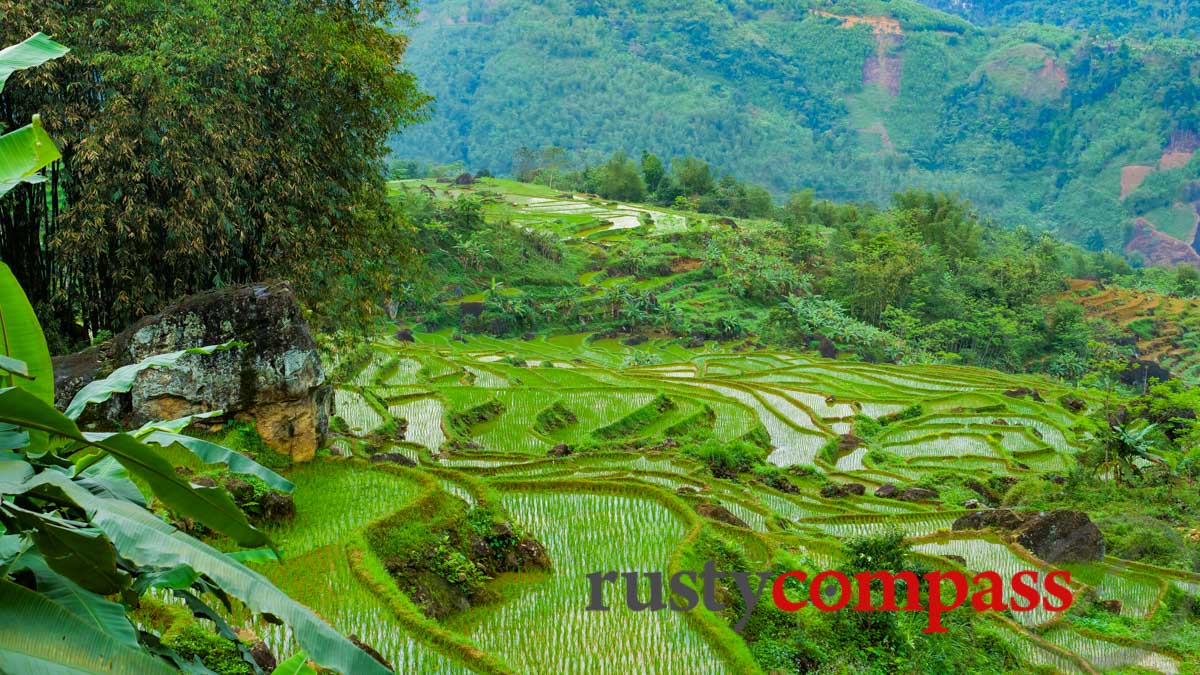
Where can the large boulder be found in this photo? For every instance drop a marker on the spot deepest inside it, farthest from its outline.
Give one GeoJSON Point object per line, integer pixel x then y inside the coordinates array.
{"type": "Point", "coordinates": [275, 380]}
{"type": "Point", "coordinates": [1063, 537]}
{"type": "Point", "coordinates": [1054, 536]}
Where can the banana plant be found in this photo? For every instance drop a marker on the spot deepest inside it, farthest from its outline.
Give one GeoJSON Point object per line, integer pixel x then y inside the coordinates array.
{"type": "Point", "coordinates": [79, 544]}
{"type": "Point", "coordinates": [28, 150]}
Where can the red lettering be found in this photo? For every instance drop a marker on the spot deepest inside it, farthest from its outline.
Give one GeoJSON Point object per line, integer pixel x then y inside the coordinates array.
{"type": "Point", "coordinates": [994, 592]}
{"type": "Point", "coordinates": [1061, 592]}
{"type": "Point", "coordinates": [936, 606]}
{"type": "Point", "coordinates": [1025, 586]}
{"type": "Point", "coordinates": [818, 599]}
{"type": "Point", "coordinates": [911, 584]}
{"type": "Point", "coordinates": [780, 598]}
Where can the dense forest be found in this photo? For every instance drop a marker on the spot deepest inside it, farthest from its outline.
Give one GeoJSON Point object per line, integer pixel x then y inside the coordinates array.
{"type": "Point", "coordinates": [1140, 18]}
{"type": "Point", "coordinates": [1060, 128]}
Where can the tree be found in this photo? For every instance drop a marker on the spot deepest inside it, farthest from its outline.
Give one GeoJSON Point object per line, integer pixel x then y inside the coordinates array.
{"type": "Point", "coordinates": [693, 176]}
{"type": "Point", "coordinates": [1187, 281]}
{"type": "Point", "coordinates": [525, 163]}
{"type": "Point", "coordinates": [176, 175]}
{"type": "Point", "coordinates": [79, 545]}
{"type": "Point", "coordinates": [619, 179]}
{"type": "Point", "coordinates": [653, 172]}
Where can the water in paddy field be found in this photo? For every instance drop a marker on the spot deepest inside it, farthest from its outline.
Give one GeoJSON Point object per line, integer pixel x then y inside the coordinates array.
{"type": "Point", "coordinates": [545, 629]}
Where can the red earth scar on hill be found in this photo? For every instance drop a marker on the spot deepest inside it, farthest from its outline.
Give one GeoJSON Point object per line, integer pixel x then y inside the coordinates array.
{"type": "Point", "coordinates": [882, 68]}
{"type": "Point", "coordinates": [1158, 248]}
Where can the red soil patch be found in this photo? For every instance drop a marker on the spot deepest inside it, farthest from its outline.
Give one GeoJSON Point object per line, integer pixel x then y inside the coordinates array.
{"type": "Point", "coordinates": [1054, 72]}
{"type": "Point", "coordinates": [884, 137]}
{"type": "Point", "coordinates": [1175, 160]}
{"type": "Point", "coordinates": [881, 68]}
{"type": "Point", "coordinates": [1158, 248]}
{"type": "Point", "coordinates": [879, 24]}
{"type": "Point", "coordinates": [1132, 177]}
{"type": "Point", "coordinates": [1123, 306]}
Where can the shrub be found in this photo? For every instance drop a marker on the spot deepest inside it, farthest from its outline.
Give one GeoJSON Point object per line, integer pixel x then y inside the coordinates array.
{"type": "Point", "coordinates": [725, 460]}
{"type": "Point", "coordinates": [217, 654]}
{"type": "Point", "coordinates": [1145, 539]}
{"type": "Point", "coordinates": [911, 412]}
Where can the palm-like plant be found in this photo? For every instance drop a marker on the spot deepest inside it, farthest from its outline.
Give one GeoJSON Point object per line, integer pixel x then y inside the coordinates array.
{"type": "Point", "coordinates": [1127, 448]}
{"type": "Point", "coordinates": [79, 544]}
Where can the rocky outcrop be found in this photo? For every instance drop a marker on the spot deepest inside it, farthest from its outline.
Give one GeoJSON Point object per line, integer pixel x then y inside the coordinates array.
{"type": "Point", "coordinates": [1054, 536]}
{"type": "Point", "coordinates": [720, 514]}
{"type": "Point", "coordinates": [1063, 537]}
{"type": "Point", "coordinates": [833, 490]}
{"type": "Point", "coordinates": [274, 379]}
{"type": "Point", "coordinates": [392, 458]}
{"type": "Point", "coordinates": [908, 494]}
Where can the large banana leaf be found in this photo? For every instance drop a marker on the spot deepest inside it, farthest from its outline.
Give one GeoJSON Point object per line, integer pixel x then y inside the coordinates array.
{"type": "Point", "coordinates": [33, 52]}
{"type": "Point", "coordinates": [105, 615]}
{"type": "Point", "coordinates": [23, 153]}
{"type": "Point", "coordinates": [211, 453]}
{"type": "Point", "coordinates": [42, 636]}
{"type": "Point", "coordinates": [296, 665]}
{"type": "Point", "coordinates": [147, 541]}
{"type": "Point", "coordinates": [74, 550]}
{"type": "Point", "coordinates": [21, 339]}
{"type": "Point", "coordinates": [208, 505]}
{"type": "Point", "coordinates": [14, 367]}
{"type": "Point", "coordinates": [121, 380]}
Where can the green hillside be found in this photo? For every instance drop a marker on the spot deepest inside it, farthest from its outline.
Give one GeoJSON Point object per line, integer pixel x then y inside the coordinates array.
{"type": "Point", "coordinates": [1036, 125]}
{"type": "Point", "coordinates": [1144, 18]}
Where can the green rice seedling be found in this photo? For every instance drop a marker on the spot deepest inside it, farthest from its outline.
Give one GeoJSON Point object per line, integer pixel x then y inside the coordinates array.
{"type": "Point", "coordinates": [982, 554]}
{"type": "Point", "coordinates": [1139, 594]}
{"type": "Point", "coordinates": [595, 409]}
{"type": "Point", "coordinates": [485, 377]}
{"type": "Point", "coordinates": [756, 520]}
{"type": "Point", "coordinates": [424, 417]}
{"type": "Point", "coordinates": [360, 417]}
{"type": "Point", "coordinates": [1041, 655]}
{"type": "Point", "coordinates": [917, 525]}
{"type": "Point", "coordinates": [404, 372]}
{"type": "Point", "coordinates": [544, 628]}
{"type": "Point", "coordinates": [322, 580]}
{"type": "Point", "coordinates": [335, 498]}
{"type": "Point", "coordinates": [1111, 656]}
{"type": "Point", "coordinates": [793, 445]}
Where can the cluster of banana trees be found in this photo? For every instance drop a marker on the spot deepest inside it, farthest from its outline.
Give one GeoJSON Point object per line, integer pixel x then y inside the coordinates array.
{"type": "Point", "coordinates": [79, 543]}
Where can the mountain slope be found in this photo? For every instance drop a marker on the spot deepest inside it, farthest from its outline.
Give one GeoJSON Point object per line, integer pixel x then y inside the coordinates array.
{"type": "Point", "coordinates": [1036, 124]}
{"type": "Point", "coordinates": [1144, 18]}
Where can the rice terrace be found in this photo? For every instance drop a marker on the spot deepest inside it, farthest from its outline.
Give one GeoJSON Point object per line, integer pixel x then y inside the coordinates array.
{"type": "Point", "coordinates": [587, 442]}
{"type": "Point", "coordinates": [827, 337]}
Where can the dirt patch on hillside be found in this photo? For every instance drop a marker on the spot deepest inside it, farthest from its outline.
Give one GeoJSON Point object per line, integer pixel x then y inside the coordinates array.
{"type": "Point", "coordinates": [882, 68]}
{"type": "Point", "coordinates": [681, 265]}
{"type": "Point", "coordinates": [884, 138]}
{"type": "Point", "coordinates": [1053, 73]}
{"type": "Point", "coordinates": [1175, 159]}
{"type": "Point", "coordinates": [1159, 248]}
{"type": "Point", "coordinates": [879, 24]}
{"type": "Point", "coordinates": [1132, 177]}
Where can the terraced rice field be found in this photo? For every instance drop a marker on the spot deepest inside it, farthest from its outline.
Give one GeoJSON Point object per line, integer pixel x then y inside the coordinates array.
{"type": "Point", "coordinates": [545, 628]}
{"type": "Point", "coordinates": [465, 407]}
{"type": "Point", "coordinates": [1167, 328]}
